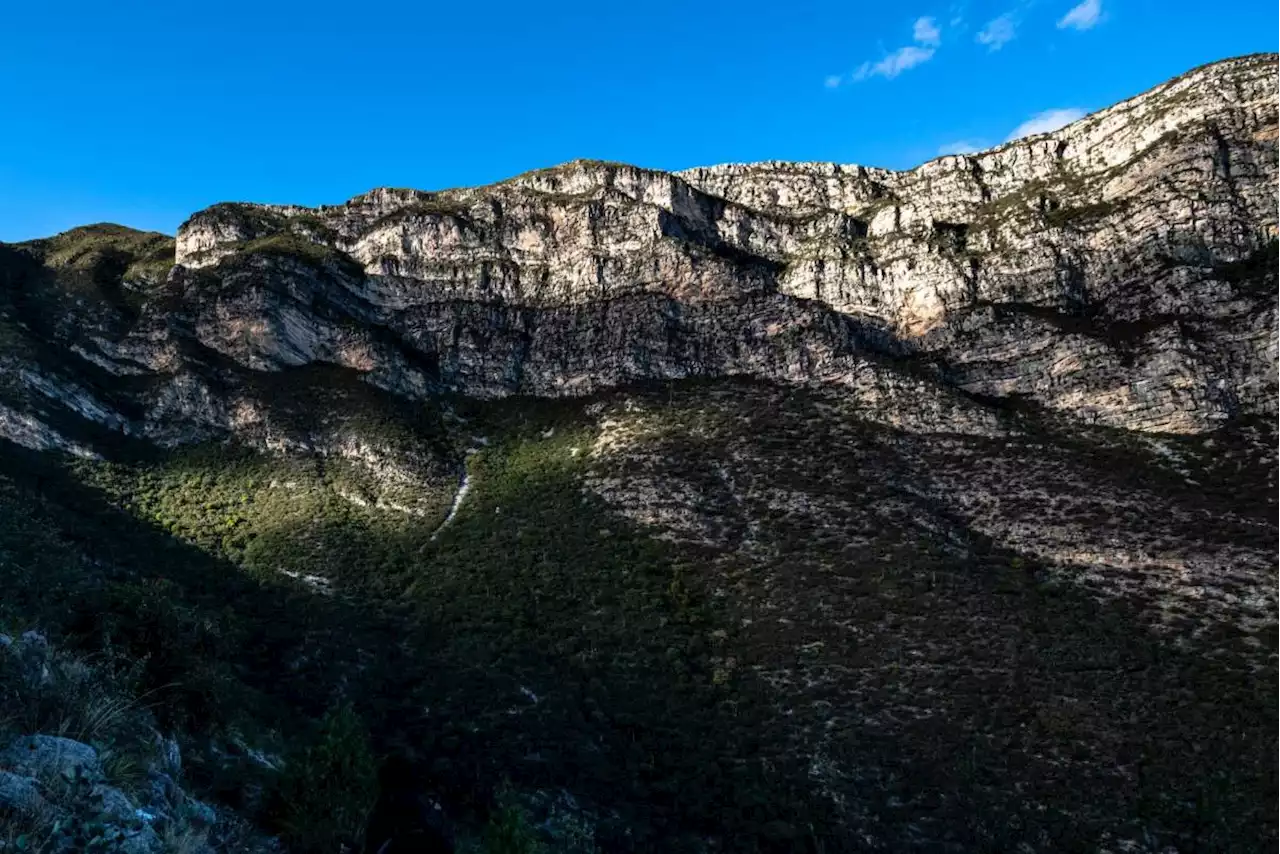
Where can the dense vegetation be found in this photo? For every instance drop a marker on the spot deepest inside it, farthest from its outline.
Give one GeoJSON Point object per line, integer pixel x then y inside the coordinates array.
{"type": "Point", "coordinates": [183, 562]}
{"type": "Point", "coordinates": [542, 642]}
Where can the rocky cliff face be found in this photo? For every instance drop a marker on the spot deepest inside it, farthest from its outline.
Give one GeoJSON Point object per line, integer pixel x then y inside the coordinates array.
{"type": "Point", "coordinates": [1115, 271]}
{"type": "Point", "coordinates": [1095, 270]}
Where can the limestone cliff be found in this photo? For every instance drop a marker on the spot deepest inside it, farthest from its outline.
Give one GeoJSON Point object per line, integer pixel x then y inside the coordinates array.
{"type": "Point", "coordinates": [1119, 271]}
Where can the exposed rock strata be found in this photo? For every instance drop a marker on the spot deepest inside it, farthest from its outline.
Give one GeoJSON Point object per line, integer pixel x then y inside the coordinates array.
{"type": "Point", "coordinates": [1120, 270]}
{"type": "Point", "coordinates": [1084, 269]}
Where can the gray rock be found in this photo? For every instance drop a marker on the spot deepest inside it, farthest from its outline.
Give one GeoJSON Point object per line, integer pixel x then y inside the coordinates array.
{"type": "Point", "coordinates": [115, 804]}
{"type": "Point", "coordinates": [142, 841]}
{"type": "Point", "coordinates": [162, 791]}
{"type": "Point", "coordinates": [47, 756]}
{"type": "Point", "coordinates": [171, 755]}
{"type": "Point", "coordinates": [20, 793]}
{"type": "Point", "coordinates": [200, 814]}
{"type": "Point", "coordinates": [34, 640]}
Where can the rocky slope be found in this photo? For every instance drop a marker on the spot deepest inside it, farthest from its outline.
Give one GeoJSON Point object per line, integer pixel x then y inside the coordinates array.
{"type": "Point", "coordinates": [777, 507]}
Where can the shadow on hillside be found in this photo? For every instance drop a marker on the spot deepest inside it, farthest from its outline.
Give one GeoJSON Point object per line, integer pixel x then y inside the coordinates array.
{"type": "Point", "coordinates": [973, 699]}
{"type": "Point", "coordinates": [230, 653]}
{"type": "Point", "coordinates": [547, 641]}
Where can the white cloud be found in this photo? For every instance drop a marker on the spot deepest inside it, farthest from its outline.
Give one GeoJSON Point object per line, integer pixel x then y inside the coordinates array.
{"type": "Point", "coordinates": [961, 146]}
{"type": "Point", "coordinates": [1046, 122]}
{"type": "Point", "coordinates": [832, 81]}
{"type": "Point", "coordinates": [998, 32]}
{"type": "Point", "coordinates": [902, 59]}
{"type": "Point", "coordinates": [1082, 17]}
{"type": "Point", "coordinates": [926, 31]}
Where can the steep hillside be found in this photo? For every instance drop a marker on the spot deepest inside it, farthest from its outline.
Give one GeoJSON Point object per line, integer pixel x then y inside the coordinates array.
{"type": "Point", "coordinates": [766, 507]}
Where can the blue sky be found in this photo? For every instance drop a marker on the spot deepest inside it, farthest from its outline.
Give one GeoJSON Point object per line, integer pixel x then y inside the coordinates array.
{"type": "Point", "coordinates": [142, 113]}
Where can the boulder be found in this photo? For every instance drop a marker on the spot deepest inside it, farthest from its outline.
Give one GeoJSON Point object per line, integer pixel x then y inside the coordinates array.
{"type": "Point", "coordinates": [46, 756]}
{"type": "Point", "coordinates": [115, 804]}
{"type": "Point", "coordinates": [20, 793]}
{"type": "Point", "coordinates": [161, 795]}
{"type": "Point", "coordinates": [144, 841]}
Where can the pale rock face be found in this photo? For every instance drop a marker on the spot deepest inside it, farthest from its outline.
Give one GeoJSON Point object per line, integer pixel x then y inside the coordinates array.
{"type": "Point", "coordinates": [1081, 269]}
{"type": "Point", "coordinates": [1114, 272]}
{"type": "Point", "coordinates": [74, 398]}
{"type": "Point", "coordinates": [29, 431]}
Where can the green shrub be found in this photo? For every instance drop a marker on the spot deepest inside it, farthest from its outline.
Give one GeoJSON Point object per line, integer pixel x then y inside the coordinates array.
{"type": "Point", "coordinates": [509, 832]}
{"type": "Point", "coordinates": [328, 787]}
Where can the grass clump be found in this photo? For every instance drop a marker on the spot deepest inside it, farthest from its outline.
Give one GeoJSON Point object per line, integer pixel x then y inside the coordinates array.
{"type": "Point", "coordinates": [91, 699]}
{"type": "Point", "coordinates": [510, 831]}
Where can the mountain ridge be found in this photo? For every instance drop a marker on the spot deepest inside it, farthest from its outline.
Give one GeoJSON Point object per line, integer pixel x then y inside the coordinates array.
{"type": "Point", "coordinates": [993, 273]}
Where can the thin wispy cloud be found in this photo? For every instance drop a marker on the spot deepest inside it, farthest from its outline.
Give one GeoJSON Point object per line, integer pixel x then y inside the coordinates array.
{"type": "Point", "coordinates": [927, 36]}
{"type": "Point", "coordinates": [1046, 122]}
{"type": "Point", "coordinates": [961, 146]}
{"type": "Point", "coordinates": [998, 32]}
{"type": "Point", "coordinates": [1082, 17]}
{"type": "Point", "coordinates": [926, 32]}
{"type": "Point", "coordinates": [902, 59]}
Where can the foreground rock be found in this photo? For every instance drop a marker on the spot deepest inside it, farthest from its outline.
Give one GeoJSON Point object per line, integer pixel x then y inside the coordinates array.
{"type": "Point", "coordinates": [59, 794]}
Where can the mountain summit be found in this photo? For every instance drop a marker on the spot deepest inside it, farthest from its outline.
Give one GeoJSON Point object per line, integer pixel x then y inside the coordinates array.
{"type": "Point", "coordinates": [756, 507]}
